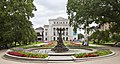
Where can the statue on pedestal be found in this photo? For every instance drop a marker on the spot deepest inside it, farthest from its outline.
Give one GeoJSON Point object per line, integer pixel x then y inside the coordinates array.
{"type": "Point", "coordinates": [60, 47]}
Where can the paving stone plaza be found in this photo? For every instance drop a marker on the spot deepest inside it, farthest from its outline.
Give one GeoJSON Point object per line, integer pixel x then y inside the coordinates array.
{"type": "Point", "coordinates": [114, 59]}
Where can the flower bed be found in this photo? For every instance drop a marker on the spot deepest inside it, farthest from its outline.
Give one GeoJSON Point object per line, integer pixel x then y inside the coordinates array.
{"type": "Point", "coordinates": [94, 54]}
{"type": "Point", "coordinates": [17, 54]}
{"type": "Point", "coordinates": [75, 44]}
{"type": "Point", "coordinates": [43, 46]}
{"type": "Point", "coordinates": [27, 54]}
{"type": "Point", "coordinates": [82, 55]}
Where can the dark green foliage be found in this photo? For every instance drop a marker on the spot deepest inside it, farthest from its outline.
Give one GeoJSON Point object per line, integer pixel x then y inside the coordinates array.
{"type": "Point", "coordinates": [80, 36]}
{"type": "Point", "coordinates": [99, 37]}
{"type": "Point", "coordinates": [81, 13]}
{"type": "Point", "coordinates": [116, 38]}
{"type": "Point", "coordinates": [81, 55]}
{"type": "Point", "coordinates": [15, 24]}
{"type": "Point", "coordinates": [103, 52]}
{"type": "Point", "coordinates": [77, 15]}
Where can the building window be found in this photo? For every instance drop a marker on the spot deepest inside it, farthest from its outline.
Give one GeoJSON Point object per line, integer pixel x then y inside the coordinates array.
{"type": "Point", "coordinates": [45, 38]}
{"type": "Point", "coordinates": [66, 22]}
{"type": "Point", "coordinates": [63, 32]}
{"type": "Point", "coordinates": [46, 29]}
{"type": "Point", "coordinates": [57, 38]}
{"type": "Point", "coordinates": [39, 38]}
{"type": "Point", "coordinates": [63, 22]}
{"type": "Point", "coordinates": [54, 38]}
{"type": "Point", "coordinates": [60, 22]}
{"type": "Point", "coordinates": [63, 38]}
{"type": "Point", "coordinates": [38, 34]}
{"type": "Point", "coordinates": [53, 29]}
{"type": "Point", "coordinates": [54, 33]}
{"type": "Point", "coordinates": [66, 38]}
{"type": "Point", "coordinates": [66, 33]}
{"type": "Point", "coordinates": [54, 22]}
{"type": "Point", "coordinates": [66, 29]}
{"type": "Point", "coordinates": [57, 22]}
{"type": "Point", "coordinates": [46, 33]}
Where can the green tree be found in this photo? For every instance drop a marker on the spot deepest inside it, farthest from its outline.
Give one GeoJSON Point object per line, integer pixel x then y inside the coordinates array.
{"type": "Point", "coordinates": [94, 37]}
{"type": "Point", "coordinates": [84, 12]}
{"type": "Point", "coordinates": [78, 17]}
{"type": "Point", "coordinates": [15, 24]}
{"type": "Point", "coordinates": [80, 36]}
{"type": "Point", "coordinates": [116, 38]}
{"type": "Point", "coordinates": [100, 37]}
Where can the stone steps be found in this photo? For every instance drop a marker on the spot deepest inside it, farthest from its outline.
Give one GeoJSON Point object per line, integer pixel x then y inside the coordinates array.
{"type": "Point", "coordinates": [60, 58]}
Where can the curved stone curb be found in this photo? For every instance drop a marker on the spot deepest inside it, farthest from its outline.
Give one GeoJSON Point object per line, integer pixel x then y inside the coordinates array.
{"type": "Point", "coordinates": [48, 58]}
{"type": "Point", "coordinates": [26, 58]}
{"type": "Point", "coordinates": [44, 59]}
{"type": "Point", "coordinates": [68, 54]}
{"type": "Point", "coordinates": [113, 53]}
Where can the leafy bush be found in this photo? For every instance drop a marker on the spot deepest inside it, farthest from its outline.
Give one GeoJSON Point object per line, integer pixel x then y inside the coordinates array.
{"type": "Point", "coordinates": [81, 55]}
{"type": "Point", "coordinates": [103, 52]}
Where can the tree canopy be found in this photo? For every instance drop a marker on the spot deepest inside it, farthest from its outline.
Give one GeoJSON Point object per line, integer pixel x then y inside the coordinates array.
{"type": "Point", "coordinates": [80, 36]}
{"type": "Point", "coordinates": [15, 24]}
{"type": "Point", "coordinates": [82, 13]}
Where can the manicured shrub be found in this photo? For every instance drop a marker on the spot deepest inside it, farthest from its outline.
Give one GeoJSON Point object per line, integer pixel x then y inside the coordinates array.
{"type": "Point", "coordinates": [81, 55]}
{"type": "Point", "coordinates": [103, 52]}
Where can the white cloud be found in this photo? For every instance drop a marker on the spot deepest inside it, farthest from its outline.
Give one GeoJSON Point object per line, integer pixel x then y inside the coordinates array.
{"type": "Point", "coordinates": [47, 9]}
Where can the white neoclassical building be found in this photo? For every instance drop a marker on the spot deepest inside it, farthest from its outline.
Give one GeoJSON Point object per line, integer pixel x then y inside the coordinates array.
{"type": "Point", "coordinates": [40, 32]}
{"type": "Point", "coordinates": [50, 32]}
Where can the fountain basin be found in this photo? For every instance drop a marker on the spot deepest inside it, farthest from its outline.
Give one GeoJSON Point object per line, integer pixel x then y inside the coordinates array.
{"type": "Point", "coordinates": [70, 52]}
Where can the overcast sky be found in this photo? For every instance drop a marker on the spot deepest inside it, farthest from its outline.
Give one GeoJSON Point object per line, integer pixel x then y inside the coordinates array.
{"type": "Point", "coordinates": [48, 9]}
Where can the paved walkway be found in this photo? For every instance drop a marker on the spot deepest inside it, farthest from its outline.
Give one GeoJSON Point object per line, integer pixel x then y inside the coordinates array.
{"type": "Point", "coordinates": [107, 60]}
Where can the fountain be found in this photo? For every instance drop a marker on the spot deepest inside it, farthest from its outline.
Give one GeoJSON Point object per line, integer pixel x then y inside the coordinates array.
{"type": "Point", "coordinates": [60, 47]}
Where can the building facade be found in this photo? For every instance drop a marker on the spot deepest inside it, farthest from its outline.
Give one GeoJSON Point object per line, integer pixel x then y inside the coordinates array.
{"type": "Point", "coordinates": [40, 34]}
{"type": "Point", "coordinates": [50, 32]}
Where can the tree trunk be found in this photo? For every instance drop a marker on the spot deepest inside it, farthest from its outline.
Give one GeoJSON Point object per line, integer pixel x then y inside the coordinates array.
{"type": "Point", "coordinates": [15, 43]}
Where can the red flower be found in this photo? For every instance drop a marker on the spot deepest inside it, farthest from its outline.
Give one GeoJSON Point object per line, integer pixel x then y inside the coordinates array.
{"type": "Point", "coordinates": [17, 54]}
{"type": "Point", "coordinates": [77, 44]}
{"type": "Point", "coordinates": [34, 57]}
{"type": "Point", "coordinates": [91, 55]}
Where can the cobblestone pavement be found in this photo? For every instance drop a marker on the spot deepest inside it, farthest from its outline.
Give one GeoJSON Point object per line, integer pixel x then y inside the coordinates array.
{"type": "Point", "coordinates": [107, 60]}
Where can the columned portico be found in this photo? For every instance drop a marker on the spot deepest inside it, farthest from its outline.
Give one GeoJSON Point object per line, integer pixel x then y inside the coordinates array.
{"type": "Point", "coordinates": [51, 34]}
